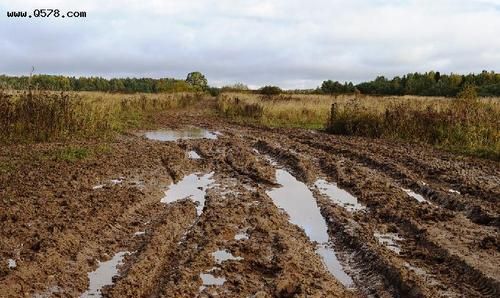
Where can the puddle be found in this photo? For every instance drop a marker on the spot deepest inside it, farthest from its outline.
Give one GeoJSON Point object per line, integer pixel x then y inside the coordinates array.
{"type": "Point", "coordinates": [224, 255]}
{"type": "Point", "coordinates": [389, 240]}
{"type": "Point", "coordinates": [49, 293]}
{"type": "Point", "coordinates": [414, 195]}
{"type": "Point", "coordinates": [11, 263]}
{"type": "Point", "coordinates": [298, 201]}
{"type": "Point", "coordinates": [193, 155]}
{"type": "Point", "coordinates": [167, 135]}
{"type": "Point", "coordinates": [241, 236]}
{"type": "Point", "coordinates": [333, 265]}
{"type": "Point", "coordinates": [454, 191]}
{"type": "Point", "coordinates": [193, 186]}
{"type": "Point", "coordinates": [117, 181]}
{"type": "Point", "coordinates": [209, 280]}
{"type": "Point", "coordinates": [339, 196]}
{"type": "Point", "coordinates": [103, 275]}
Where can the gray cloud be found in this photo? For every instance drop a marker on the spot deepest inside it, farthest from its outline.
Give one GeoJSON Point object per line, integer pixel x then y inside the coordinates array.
{"type": "Point", "coordinates": [291, 43]}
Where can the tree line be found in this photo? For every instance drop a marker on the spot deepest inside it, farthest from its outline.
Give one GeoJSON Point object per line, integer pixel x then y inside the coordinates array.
{"type": "Point", "coordinates": [195, 81]}
{"type": "Point", "coordinates": [425, 84]}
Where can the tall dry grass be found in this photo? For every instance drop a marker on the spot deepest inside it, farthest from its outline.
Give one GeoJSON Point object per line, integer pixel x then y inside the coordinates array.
{"type": "Point", "coordinates": [469, 126]}
{"type": "Point", "coordinates": [35, 116]}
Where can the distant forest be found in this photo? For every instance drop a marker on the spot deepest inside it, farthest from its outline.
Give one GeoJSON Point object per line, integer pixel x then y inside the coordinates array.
{"type": "Point", "coordinates": [426, 84]}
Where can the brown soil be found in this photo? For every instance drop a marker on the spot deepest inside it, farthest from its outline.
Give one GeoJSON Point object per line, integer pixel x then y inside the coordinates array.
{"type": "Point", "coordinates": [56, 226]}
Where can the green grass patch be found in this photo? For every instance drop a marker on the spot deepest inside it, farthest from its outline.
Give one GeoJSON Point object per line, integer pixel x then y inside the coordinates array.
{"type": "Point", "coordinates": [71, 154]}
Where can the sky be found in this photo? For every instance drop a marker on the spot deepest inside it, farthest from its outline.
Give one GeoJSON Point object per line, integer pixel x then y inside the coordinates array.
{"type": "Point", "coordinates": [289, 43]}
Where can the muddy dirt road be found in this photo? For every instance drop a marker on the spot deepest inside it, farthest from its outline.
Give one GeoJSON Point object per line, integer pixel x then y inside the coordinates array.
{"type": "Point", "coordinates": [238, 211]}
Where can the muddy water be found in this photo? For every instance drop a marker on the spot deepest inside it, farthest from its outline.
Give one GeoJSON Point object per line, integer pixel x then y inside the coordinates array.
{"type": "Point", "coordinates": [241, 236]}
{"type": "Point", "coordinates": [209, 280]}
{"type": "Point", "coordinates": [193, 186]}
{"type": "Point", "coordinates": [298, 201]}
{"type": "Point", "coordinates": [167, 135]}
{"type": "Point", "coordinates": [224, 255]}
{"type": "Point", "coordinates": [103, 275]}
{"type": "Point", "coordinates": [193, 155]}
{"type": "Point", "coordinates": [414, 195]}
{"type": "Point", "coordinates": [339, 196]}
{"type": "Point", "coordinates": [11, 263]}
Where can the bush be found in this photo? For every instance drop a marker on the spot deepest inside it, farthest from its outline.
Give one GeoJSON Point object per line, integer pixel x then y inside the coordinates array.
{"type": "Point", "coordinates": [466, 125]}
{"type": "Point", "coordinates": [214, 91]}
{"type": "Point", "coordinates": [270, 90]}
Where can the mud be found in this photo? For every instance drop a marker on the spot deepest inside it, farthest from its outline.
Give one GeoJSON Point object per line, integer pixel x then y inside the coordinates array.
{"type": "Point", "coordinates": [198, 216]}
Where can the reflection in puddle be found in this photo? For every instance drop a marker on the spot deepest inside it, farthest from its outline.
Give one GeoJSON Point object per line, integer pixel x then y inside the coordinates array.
{"type": "Point", "coordinates": [224, 255]}
{"type": "Point", "coordinates": [339, 196]}
{"type": "Point", "coordinates": [193, 186]}
{"type": "Point", "coordinates": [298, 201]}
{"type": "Point", "coordinates": [389, 240]}
{"type": "Point", "coordinates": [193, 155]}
{"type": "Point", "coordinates": [209, 280]}
{"type": "Point", "coordinates": [167, 135]}
{"type": "Point", "coordinates": [11, 263]}
{"type": "Point", "coordinates": [103, 275]}
{"type": "Point", "coordinates": [414, 195]}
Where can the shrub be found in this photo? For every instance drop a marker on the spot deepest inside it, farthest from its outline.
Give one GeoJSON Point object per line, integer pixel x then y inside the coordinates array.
{"type": "Point", "coordinates": [270, 90]}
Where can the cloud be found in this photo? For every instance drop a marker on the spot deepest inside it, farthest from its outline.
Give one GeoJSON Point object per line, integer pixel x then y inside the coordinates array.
{"type": "Point", "coordinates": [291, 43]}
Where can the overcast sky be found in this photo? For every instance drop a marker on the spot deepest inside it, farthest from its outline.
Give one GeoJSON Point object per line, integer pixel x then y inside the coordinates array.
{"type": "Point", "coordinates": [291, 43]}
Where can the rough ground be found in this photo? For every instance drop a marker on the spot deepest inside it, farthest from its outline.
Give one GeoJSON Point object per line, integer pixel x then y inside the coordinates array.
{"type": "Point", "coordinates": [56, 226]}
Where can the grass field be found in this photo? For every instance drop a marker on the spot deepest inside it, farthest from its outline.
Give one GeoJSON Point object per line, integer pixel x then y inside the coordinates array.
{"type": "Point", "coordinates": [470, 126]}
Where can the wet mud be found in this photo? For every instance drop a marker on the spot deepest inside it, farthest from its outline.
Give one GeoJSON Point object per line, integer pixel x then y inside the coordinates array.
{"type": "Point", "coordinates": [205, 208]}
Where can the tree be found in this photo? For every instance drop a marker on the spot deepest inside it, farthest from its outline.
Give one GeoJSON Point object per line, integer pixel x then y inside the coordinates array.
{"type": "Point", "coordinates": [270, 90]}
{"type": "Point", "coordinates": [197, 80]}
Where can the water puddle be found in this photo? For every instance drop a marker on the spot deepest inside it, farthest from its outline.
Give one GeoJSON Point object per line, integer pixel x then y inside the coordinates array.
{"type": "Point", "coordinates": [193, 155]}
{"type": "Point", "coordinates": [298, 201]}
{"type": "Point", "coordinates": [167, 135]}
{"type": "Point", "coordinates": [339, 196]}
{"type": "Point", "coordinates": [389, 240]}
{"type": "Point", "coordinates": [11, 263]}
{"type": "Point", "coordinates": [415, 195]}
{"type": "Point", "coordinates": [224, 255]}
{"type": "Point", "coordinates": [241, 236]}
{"type": "Point", "coordinates": [103, 275]}
{"type": "Point", "coordinates": [117, 181]}
{"type": "Point", "coordinates": [193, 186]}
{"type": "Point", "coordinates": [210, 280]}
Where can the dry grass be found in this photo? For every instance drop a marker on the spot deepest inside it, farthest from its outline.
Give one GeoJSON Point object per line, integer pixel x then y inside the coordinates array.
{"type": "Point", "coordinates": [466, 126]}
{"type": "Point", "coordinates": [42, 116]}
{"type": "Point", "coordinates": [310, 111]}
